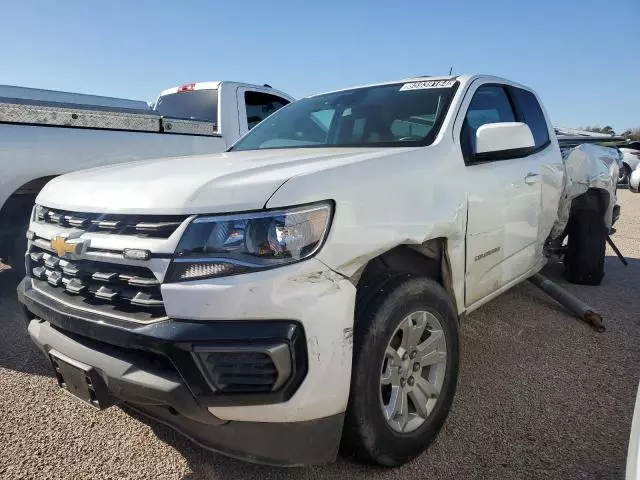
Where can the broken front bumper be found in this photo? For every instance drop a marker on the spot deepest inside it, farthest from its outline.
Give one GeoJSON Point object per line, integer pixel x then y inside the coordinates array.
{"type": "Point", "coordinates": [152, 369]}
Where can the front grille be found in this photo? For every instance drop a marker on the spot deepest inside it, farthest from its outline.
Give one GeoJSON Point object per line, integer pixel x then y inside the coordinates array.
{"type": "Point", "coordinates": [109, 288]}
{"type": "Point", "coordinates": [155, 226]}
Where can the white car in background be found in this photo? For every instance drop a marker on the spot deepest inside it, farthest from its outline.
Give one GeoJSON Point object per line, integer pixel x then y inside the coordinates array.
{"type": "Point", "coordinates": [634, 181]}
{"type": "Point", "coordinates": [630, 161]}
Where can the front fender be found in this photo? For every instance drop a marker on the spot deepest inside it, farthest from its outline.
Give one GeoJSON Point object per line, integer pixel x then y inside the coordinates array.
{"type": "Point", "coordinates": [399, 199]}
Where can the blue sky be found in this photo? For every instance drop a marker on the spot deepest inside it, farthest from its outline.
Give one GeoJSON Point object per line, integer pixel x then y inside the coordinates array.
{"type": "Point", "coordinates": [134, 49]}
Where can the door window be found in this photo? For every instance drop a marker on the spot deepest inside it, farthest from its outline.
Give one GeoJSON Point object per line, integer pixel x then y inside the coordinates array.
{"type": "Point", "coordinates": [260, 106]}
{"type": "Point", "coordinates": [490, 104]}
{"type": "Point", "coordinates": [530, 112]}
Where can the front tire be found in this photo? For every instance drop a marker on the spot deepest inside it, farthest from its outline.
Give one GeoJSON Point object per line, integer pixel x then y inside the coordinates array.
{"type": "Point", "coordinates": [404, 374]}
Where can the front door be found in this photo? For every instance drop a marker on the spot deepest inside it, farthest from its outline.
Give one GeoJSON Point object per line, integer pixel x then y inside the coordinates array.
{"type": "Point", "coordinates": [504, 202]}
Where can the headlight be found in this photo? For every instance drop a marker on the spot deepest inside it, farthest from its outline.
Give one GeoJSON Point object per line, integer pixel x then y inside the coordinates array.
{"type": "Point", "coordinates": [218, 246]}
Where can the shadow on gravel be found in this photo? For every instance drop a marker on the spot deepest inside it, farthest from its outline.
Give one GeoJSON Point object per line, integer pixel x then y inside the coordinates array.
{"type": "Point", "coordinates": [17, 352]}
{"type": "Point", "coordinates": [207, 464]}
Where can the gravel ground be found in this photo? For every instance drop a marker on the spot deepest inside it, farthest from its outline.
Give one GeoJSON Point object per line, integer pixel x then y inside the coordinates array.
{"type": "Point", "coordinates": [540, 395]}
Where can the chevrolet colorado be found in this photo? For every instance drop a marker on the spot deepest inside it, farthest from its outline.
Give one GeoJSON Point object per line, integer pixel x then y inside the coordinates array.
{"type": "Point", "coordinates": [46, 133]}
{"type": "Point", "coordinates": [302, 290]}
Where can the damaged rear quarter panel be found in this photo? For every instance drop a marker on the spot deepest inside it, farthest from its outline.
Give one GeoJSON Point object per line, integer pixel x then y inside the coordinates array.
{"type": "Point", "coordinates": [587, 166]}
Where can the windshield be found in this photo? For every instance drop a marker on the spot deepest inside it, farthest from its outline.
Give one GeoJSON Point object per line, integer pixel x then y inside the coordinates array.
{"type": "Point", "coordinates": [397, 115]}
{"type": "Point", "coordinates": [192, 105]}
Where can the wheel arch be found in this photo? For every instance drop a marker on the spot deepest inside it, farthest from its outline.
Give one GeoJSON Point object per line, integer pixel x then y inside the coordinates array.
{"type": "Point", "coordinates": [26, 192]}
{"type": "Point", "coordinates": [15, 212]}
{"type": "Point", "coordinates": [428, 259]}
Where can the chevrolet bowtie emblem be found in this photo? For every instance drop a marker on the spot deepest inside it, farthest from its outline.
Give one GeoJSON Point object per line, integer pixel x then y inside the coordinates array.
{"type": "Point", "coordinates": [61, 246]}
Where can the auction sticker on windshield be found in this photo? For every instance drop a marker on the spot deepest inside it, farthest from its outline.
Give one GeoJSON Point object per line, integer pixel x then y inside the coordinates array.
{"type": "Point", "coordinates": [428, 84]}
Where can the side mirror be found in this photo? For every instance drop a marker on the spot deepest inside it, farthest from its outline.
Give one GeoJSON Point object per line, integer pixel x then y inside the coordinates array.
{"type": "Point", "coordinates": [501, 141]}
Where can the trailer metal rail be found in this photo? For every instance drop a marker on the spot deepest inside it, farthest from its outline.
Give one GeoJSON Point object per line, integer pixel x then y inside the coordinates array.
{"type": "Point", "coordinates": [57, 114]}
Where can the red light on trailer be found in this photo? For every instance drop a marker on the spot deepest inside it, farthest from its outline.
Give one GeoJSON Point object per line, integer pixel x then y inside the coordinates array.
{"type": "Point", "coordinates": [187, 88]}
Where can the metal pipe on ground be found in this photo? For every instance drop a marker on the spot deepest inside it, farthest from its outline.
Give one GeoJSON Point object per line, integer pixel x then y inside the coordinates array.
{"type": "Point", "coordinates": [617, 252]}
{"type": "Point", "coordinates": [583, 311]}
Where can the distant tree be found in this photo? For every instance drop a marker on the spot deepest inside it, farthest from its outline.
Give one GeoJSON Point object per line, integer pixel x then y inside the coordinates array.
{"type": "Point", "coordinates": [632, 133]}
{"type": "Point", "coordinates": [596, 129]}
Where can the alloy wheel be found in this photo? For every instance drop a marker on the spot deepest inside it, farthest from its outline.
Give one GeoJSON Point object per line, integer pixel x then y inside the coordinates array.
{"type": "Point", "coordinates": [413, 371]}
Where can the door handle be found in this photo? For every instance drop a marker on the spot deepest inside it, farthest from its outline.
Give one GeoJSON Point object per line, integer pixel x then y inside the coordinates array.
{"type": "Point", "coordinates": [531, 178]}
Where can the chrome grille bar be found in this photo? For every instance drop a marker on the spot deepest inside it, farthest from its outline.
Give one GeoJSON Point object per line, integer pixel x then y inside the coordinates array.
{"type": "Point", "coordinates": [107, 224]}
{"type": "Point", "coordinates": [76, 221]}
{"type": "Point", "coordinates": [158, 226]}
{"type": "Point", "coordinates": [118, 285]}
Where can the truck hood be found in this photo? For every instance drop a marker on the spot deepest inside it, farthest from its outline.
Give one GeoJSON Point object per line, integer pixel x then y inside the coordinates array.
{"type": "Point", "coordinates": [218, 183]}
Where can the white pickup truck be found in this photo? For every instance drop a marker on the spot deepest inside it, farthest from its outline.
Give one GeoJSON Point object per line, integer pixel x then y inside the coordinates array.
{"type": "Point", "coordinates": [46, 133]}
{"type": "Point", "coordinates": [303, 290]}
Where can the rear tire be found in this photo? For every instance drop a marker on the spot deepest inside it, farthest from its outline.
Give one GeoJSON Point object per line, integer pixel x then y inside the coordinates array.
{"type": "Point", "coordinates": [584, 260]}
{"type": "Point", "coordinates": [369, 435]}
